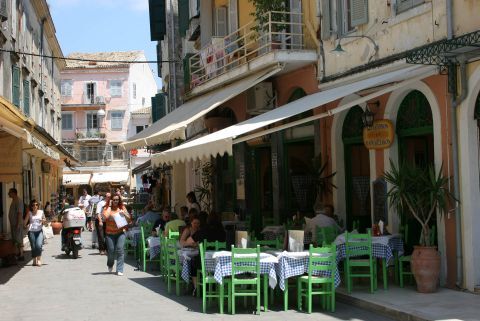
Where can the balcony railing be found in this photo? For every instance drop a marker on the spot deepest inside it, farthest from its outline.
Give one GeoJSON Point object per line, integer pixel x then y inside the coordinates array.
{"type": "Point", "coordinates": [283, 31]}
{"type": "Point", "coordinates": [90, 133]}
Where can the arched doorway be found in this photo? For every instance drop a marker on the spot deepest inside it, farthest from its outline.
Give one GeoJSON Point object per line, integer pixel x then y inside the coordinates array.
{"type": "Point", "coordinates": [414, 128]}
{"type": "Point", "coordinates": [357, 171]}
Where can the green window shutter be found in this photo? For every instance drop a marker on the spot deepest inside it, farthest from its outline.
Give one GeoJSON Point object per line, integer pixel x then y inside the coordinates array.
{"type": "Point", "coordinates": [159, 60]}
{"type": "Point", "coordinates": [358, 12]}
{"type": "Point", "coordinates": [325, 22]}
{"type": "Point", "coordinates": [26, 97]}
{"type": "Point", "coordinates": [183, 16]}
{"type": "Point", "coordinates": [157, 19]}
{"type": "Point", "coordinates": [161, 104]}
{"type": "Point", "coordinates": [186, 71]}
{"type": "Point", "coordinates": [154, 109]}
{"type": "Point", "coordinates": [16, 86]}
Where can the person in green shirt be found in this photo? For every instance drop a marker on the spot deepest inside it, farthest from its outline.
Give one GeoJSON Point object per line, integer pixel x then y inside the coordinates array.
{"type": "Point", "coordinates": [174, 225]}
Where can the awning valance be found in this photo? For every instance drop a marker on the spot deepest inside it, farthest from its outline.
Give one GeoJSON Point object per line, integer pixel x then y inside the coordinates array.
{"type": "Point", "coordinates": [110, 177]}
{"type": "Point", "coordinates": [76, 179]}
{"type": "Point", "coordinates": [221, 141]}
{"type": "Point", "coordinates": [173, 125]}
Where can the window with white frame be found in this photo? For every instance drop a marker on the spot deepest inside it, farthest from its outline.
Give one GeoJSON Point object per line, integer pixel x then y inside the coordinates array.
{"type": "Point", "coordinates": [90, 92]}
{"type": "Point", "coordinates": [404, 5]}
{"type": "Point", "coordinates": [67, 121]}
{"type": "Point", "coordinates": [118, 153]}
{"type": "Point", "coordinates": [115, 88]}
{"type": "Point", "coordinates": [92, 121]}
{"type": "Point", "coordinates": [66, 88]}
{"type": "Point", "coordinates": [349, 14]}
{"type": "Point", "coordinates": [116, 120]}
{"type": "Point", "coordinates": [134, 91]}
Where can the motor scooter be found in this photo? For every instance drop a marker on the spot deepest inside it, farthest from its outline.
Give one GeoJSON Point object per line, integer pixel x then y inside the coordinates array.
{"type": "Point", "coordinates": [73, 222]}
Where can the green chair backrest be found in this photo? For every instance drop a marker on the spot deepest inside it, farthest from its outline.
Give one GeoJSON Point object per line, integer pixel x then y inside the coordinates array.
{"type": "Point", "coordinates": [319, 235]}
{"type": "Point", "coordinates": [245, 261]}
{"type": "Point", "coordinates": [274, 244]}
{"type": "Point", "coordinates": [202, 260]}
{"type": "Point", "coordinates": [322, 259]}
{"type": "Point", "coordinates": [358, 244]}
{"type": "Point", "coordinates": [220, 245]}
{"type": "Point", "coordinates": [172, 252]}
{"type": "Point", "coordinates": [142, 239]}
{"type": "Point", "coordinates": [173, 235]}
{"type": "Point", "coordinates": [329, 233]}
{"type": "Point", "coordinates": [215, 245]}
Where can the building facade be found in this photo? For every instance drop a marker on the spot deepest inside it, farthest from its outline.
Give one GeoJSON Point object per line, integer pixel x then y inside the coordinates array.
{"type": "Point", "coordinates": [98, 100]}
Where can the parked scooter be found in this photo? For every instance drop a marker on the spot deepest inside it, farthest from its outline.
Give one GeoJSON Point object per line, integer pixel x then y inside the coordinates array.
{"type": "Point", "coordinates": [73, 222]}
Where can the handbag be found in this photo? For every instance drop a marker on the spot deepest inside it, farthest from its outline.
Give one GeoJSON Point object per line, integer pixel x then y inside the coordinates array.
{"type": "Point", "coordinates": [47, 231]}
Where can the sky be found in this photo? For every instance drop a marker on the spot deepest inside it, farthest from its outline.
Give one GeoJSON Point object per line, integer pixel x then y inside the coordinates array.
{"type": "Point", "coordinates": [103, 25]}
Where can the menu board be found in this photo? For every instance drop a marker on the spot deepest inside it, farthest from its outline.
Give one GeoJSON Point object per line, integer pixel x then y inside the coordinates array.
{"type": "Point", "coordinates": [380, 205]}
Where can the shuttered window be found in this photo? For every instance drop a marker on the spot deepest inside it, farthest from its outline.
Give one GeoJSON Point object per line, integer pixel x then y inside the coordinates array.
{"type": "Point", "coordinates": [183, 16]}
{"type": "Point", "coordinates": [16, 86]}
{"type": "Point", "coordinates": [115, 88]}
{"type": "Point", "coordinates": [326, 28]}
{"type": "Point", "coordinates": [404, 5]}
{"type": "Point", "coordinates": [157, 19]}
{"type": "Point", "coordinates": [358, 12]}
{"type": "Point", "coordinates": [232, 16]}
{"type": "Point", "coordinates": [66, 88]}
{"type": "Point", "coordinates": [221, 26]}
{"type": "Point", "coordinates": [26, 97]}
{"type": "Point", "coordinates": [117, 120]}
{"type": "Point", "coordinates": [158, 107]}
{"type": "Point", "coordinates": [67, 122]}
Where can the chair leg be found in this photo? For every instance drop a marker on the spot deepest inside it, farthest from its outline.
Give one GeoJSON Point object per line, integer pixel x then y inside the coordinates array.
{"type": "Point", "coordinates": [285, 296]}
{"type": "Point", "coordinates": [258, 296]}
{"type": "Point", "coordinates": [400, 265]}
{"type": "Point", "coordinates": [177, 283]}
{"type": "Point", "coordinates": [309, 293]}
{"type": "Point", "coordinates": [299, 294]}
{"type": "Point", "coordinates": [229, 289]}
{"type": "Point", "coordinates": [144, 263]}
{"type": "Point", "coordinates": [396, 262]}
{"type": "Point", "coordinates": [347, 278]}
{"type": "Point", "coordinates": [233, 298]}
{"type": "Point", "coordinates": [265, 292]}
{"type": "Point", "coordinates": [333, 296]}
{"type": "Point", "coordinates": [221, 297]}
{"type": "Point", "coordinates": [204, 297]}
{"type": "Point", "coordinates": [385, 280]}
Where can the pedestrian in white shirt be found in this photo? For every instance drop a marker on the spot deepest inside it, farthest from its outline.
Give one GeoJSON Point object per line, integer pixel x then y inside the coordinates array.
{"type": "Point", "coordinates": [99, 223]}
{"type": "Point", "coordinates": [34, 221]}
{"type": "Point", "coordinates": [323, 218]}
{"type": "Point", "coordinates": [84, 204]}
{"type": "Point", "coordinates": [92, 208]}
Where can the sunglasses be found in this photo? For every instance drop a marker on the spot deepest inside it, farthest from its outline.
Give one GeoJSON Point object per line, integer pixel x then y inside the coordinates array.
{"type": "Point", "coordinates": [115, 200]}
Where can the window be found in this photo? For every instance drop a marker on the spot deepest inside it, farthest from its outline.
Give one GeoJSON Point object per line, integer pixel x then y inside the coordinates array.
{"type": "Point", "coordinates": [117, 120]}
{"type": "Point", "coordinates": [26, 97]}
{"type": "Point", "coordinates": [134, 91]}
{"type": "Point", "coordinates": [90, 92]}
{"type": "Point", "coordinates": [139, 129]}
{"type": "Point", "coordinates": [16, 86]}
{"type": "Point", "coordinates": [404, 5]}
{"type": "Point", "coordinates": [92, 121]}
{"type": "Point", "coordinates": [351, 13]}
{"type": "Point", "coordinates": [115, 88]}
{"type": "Point", "coordinates": [67, 121]}
{"type": "Point", "coordinates": [91, 154]}
{"type": "Point", "coordinates": [66, 88]}
{"type": "Point", "coordinates": [117, 152]}
{"type": "Point", "coordinates": [221, 21]}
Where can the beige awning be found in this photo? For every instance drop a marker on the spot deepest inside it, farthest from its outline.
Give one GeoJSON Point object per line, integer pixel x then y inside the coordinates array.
{"type": "Point", "coordinates": [173, 125]}
{"type": "Point", "coordinates": [110, 177]}
{"type": "Point", "coordinates": [221, 142]}
{"type": "Point", "coordinates": [76, 179]}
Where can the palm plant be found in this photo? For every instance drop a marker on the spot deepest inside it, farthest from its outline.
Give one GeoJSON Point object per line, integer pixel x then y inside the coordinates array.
{"type": "Point", "coordinates": [419, 191]}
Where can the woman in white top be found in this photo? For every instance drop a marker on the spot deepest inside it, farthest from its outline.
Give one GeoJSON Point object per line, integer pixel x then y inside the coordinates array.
{"type": "Point", "coordinates": [35, 220]}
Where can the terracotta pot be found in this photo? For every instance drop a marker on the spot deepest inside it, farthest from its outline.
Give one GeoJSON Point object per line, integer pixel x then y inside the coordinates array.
{"type": "Point", "coordinates": [56, 227]}
{"type": "Point", "coordinates": [214, 124]}
{"type": "Point", "coordinates": [426, 268]}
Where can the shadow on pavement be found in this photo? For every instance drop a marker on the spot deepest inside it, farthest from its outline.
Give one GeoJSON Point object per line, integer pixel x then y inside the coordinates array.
{"type": "Point", "coordinates": [8, 271]}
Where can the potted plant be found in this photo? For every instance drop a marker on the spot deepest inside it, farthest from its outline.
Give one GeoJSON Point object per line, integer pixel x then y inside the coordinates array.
{"type": "Point", "coordinates": [421, 192]}
{"type": "Point", "coordinates": [56, 224]}
{"type": "Point", "coordinates": [274, 22]}
{"type": "Point", "coordinates": [204, 191]}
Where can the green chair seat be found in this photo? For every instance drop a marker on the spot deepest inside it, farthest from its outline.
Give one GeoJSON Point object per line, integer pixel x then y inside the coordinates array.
{"type": "Point", "coordinates": [144, 251]}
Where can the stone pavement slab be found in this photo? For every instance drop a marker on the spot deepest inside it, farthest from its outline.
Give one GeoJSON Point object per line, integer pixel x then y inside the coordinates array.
{"type": "Point", "coordinates": [82, 289]}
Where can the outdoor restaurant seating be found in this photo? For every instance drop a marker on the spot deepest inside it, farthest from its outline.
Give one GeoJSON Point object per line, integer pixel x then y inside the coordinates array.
{"type": "Point", "coordinates": [144, 251]}
{"type": "Point", "coordinates": [358, 248]}
{"type": "Point", "coordinates": [173, 265]}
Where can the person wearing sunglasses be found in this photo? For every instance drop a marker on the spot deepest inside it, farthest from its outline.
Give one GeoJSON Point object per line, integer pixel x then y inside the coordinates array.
{"type": "Point", "coordinates": [116, 221]}
{"type": "Point", "coordinates": [34, 221]}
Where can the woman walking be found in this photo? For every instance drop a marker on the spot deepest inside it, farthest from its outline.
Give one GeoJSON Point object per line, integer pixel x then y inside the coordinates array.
{"type": "Point", "coordinates": [35, 220]}
{"type": "Point", "coordinates": [116, 220]}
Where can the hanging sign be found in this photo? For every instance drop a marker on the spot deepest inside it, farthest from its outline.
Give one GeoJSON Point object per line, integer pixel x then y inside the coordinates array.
{"type": "Point", "coordinates": [380, 135]}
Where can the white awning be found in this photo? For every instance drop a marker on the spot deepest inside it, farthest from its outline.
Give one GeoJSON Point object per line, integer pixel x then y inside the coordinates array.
{"type": "Point", "coordinates": [173, 125]}
{"type": "Point", "coordinates": [221, 141]}
{"type": "Point", "coordinates": [76, 179]}
{"type": "Point", "coordinates": [110, 177]}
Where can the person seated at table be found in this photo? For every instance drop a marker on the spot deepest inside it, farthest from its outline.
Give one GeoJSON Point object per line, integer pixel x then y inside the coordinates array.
{"type": "Point", "coordinates": [195, 226]}
{"type": "Point", "coordinates": [151, 216]}
{"type": "Point", "coordinates": [321, 219]}
{"type": "Point", "coordinates": [214, 230]}
{"type": "Point", "coordinates": [161, 222]}
{"type": "Point", "coordinates": [174, 225]}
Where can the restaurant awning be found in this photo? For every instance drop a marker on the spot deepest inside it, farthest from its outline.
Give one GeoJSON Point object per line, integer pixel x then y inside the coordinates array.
{"type": "Point", "coordinates": [110, 177]}
{"type": "Point", "coordinates": [76, 179]}
{"type": "Point", "coordinates": [142, 167]}
{"type": "Point", "coordinates": [173, 125]}
{"type": "Point", "coordinates": [221, 142]}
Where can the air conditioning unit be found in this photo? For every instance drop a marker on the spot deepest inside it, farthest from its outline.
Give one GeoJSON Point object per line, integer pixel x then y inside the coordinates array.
{"type": "Point", "coordinates": [260, 98]}
{"type": "Point", "coordinates": [100, 100]}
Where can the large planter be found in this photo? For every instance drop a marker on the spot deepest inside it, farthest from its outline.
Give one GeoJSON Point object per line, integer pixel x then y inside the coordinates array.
{"type": "Point", "coordinates": [56, 227]}
{"type": "Point", "coordinates": [426, 268]}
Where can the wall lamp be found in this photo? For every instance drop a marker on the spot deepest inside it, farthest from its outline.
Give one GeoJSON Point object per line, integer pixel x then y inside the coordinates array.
{"type": "Point", "coordinates": [369, 116]}
{"type": "Point", "coordinates": [339, 50]}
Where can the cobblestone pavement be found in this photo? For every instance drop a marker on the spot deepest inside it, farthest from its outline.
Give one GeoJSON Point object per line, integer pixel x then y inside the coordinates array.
{"type": "Point", "coordinates": [82, 289]}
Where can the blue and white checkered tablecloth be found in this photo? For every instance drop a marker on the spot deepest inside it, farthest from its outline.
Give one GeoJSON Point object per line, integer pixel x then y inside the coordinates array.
{"type": "Point", "coordinates": [134, 235]}
{"type": "Point", "coordinates": [380, 249]}
{"type": "Point", "coordinates": [270, 235]}
{"type": "Point", "coordinates": [294, 264]}
{"type": "Point", "coordinates": [186, 257]}
{"type": "Point", "coordinates": [154, 246]}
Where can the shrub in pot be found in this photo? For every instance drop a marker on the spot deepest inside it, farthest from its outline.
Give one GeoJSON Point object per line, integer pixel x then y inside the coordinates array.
{"type": "Point", "coordinates": [420, 192]}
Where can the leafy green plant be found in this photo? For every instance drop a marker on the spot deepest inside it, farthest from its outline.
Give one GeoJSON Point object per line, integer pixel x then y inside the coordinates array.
{"type": "Point", "coordinates": [419, 191]}
{"type": "Point", "coordinates": [322, 181]}
{"type": "Point", "coordinates": [204, 192]}
{"type": "Point", "coordinates": [262, 7]}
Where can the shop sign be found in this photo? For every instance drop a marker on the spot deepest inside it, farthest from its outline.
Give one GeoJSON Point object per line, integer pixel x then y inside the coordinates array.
{"type": "Point", "coordinates": [380, 135]}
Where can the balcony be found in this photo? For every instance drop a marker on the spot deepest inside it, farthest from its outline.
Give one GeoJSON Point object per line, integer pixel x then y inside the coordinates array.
{"type": "Point", "coordinates": [90, 134]}
{"type": "Point", "coordinates": [286, 40]}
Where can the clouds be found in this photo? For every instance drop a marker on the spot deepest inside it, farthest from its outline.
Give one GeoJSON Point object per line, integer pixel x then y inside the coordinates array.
{"type": "Point", "coordinates": [135, 5]}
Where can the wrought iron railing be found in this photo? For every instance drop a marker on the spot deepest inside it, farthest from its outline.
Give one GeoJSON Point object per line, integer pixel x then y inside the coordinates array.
{"type": "Point", "coordinates": [90, 133]}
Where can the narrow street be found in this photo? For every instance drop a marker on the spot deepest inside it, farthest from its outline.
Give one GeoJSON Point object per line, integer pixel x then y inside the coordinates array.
{"type": "Point", "coordinates": [82, 289]}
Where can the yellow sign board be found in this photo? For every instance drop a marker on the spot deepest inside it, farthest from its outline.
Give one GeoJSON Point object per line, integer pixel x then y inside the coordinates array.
{"type": "Point", "coordinates": [380, 135]}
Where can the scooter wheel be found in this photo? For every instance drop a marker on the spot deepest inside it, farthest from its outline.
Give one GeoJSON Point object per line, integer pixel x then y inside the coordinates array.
{"type": "Point", "coordinates": [75, 253]}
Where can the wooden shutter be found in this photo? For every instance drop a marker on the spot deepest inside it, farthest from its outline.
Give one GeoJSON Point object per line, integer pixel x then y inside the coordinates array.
{"type": "Point", "coordinates": [154, 109]}
{"type": "Point", "coordinates": [232, 16]}
{"type": "Point", "coordinates": [358, 12]}
{"type": "Point", "coordinates": [3, 10]}
{"type": "Point", "coordinates": [186, 71]}
{"type": "Point", "coordinates": [157, 19]}
{"type": "Point", "coordinates": [325, 24]}
{"type": "Point", "coordinates": [16, 86]}
{"type": "Point", "coordinates": [221, 21]}
{"type": "Point", "coordinates": [26, 97]}
{"type": "Point", "coordinates": [183, 16]}
{"type": "Point", "coordinates": [403, 5]}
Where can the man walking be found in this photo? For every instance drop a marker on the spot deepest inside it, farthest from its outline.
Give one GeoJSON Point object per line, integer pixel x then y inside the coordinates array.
{"type": "Point", "coordinates": [92, 209]}
{"type": "Point", "coordinates": [99, 226]}
{"type": "Point", "coordinates": [15, 215]}
{"type": "Point", "coordinates": [83, 203]}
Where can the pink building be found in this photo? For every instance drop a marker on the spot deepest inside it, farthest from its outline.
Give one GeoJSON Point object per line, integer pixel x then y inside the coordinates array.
{"type": "Point", "coordinates": [98, 99]}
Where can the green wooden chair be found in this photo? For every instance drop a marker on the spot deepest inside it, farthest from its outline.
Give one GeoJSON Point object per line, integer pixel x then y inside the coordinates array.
{"type": "Point", "coordinates": [208, 285]}
{"type": "Point", "coordinates": [329, 234]}
{"type": "Point", "coordinates": [214, 245]}
{"type": "Point", "coordinates": [245, 261]}
{"type": "Point", "coordinates": [129, 248]}
{"type": "Point", "coordinates": [276, 244]}
{"type": "Point", "coordinates": [163, 258]}
{"type": "Point", "coordinates": [406, 259]}
{"type": "Point", "coordinates": [358, 250]}
{"type": "Point", "coordinates": [144, 251]}
{"type": "Point", "coordinates": [321, 259]}
{"type": "Point", "coordinates": [173, 235]}
{"type": "Point", "coordinates": [173, 265]}
{"type": "Point", "coordinates": [356, 225]}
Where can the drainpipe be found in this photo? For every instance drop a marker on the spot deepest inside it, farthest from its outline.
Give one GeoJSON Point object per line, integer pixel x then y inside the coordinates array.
{"type": "Point", "coordinates": [42, 101]}
{"type": "Point", "coordinates": [455, 102]}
